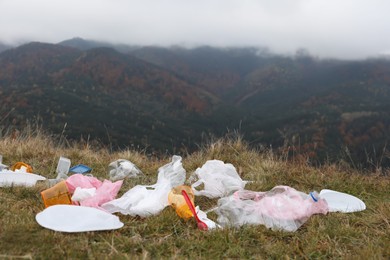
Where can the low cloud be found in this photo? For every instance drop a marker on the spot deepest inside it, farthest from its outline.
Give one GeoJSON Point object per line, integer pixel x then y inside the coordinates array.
{"type": "Point", "coordinates": [342, 29]}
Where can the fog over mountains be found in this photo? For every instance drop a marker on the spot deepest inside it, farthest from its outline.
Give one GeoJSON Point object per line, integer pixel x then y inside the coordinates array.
{"type": "Point", "coordinates": [173, 99]}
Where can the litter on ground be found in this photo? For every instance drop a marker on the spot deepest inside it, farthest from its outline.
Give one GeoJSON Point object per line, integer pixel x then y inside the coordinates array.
{"type": "Point", "coordinates": [10, 178]}
{"type": "Point", "coordinates": [80, 203]}
{"type": "Point", "coordinates": [148, 200]}
{"type": "Point", "coordinates": [70, 218]}
{"type": "Point", "coordinates": [219, 179]}
{"type": "Point", "coordinates": [120, 169]}
{"type": "Point", "coordinates": [342, 202]}
{"type": "Point", "coordinates": [282, 208]}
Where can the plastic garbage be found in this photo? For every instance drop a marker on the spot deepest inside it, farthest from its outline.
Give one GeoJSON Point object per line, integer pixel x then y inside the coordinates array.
{"type": "Point", "coordinates": [120, 169]}
{"type": "Point", "coordinates": [203, 216]}
{"type": "Point", "coordinates": [341, 202]}
{"type": "Point", "coordinates": [21, 167]}
{"type": "Point", "coordinates": [314, 196]}
{"type": "Point", "coordinates": [62, 171]}
{"type": "Point", "coordinates": [148, 200]}
{"type": "Point", "coordinates": [105, 191]}
{"type": "Point", "coordinates": [9, 178]}
{"type": "Point", "coordinates": [220, 179]}
{"type": "Point", "coordinates": [63, 167]}
{"type": "Point", "coordinates": [2, 166]}
{"type": "Point", "coordinates": [82, 181]}
{"type": "Point", "coordinates": [178, 202]}
{"type": "Point", "coordinates": [81, 194]}
{"type": "Point", "coordinates": [80, 168]}
{"type": "Point", "coordinates": [200, 223]}
{"type": "Point", "coordinates": [282, 208]}
{"type": "Point", "coordinates": [70, 218]}
{"type": "Point", "coordinates": [58, 194]}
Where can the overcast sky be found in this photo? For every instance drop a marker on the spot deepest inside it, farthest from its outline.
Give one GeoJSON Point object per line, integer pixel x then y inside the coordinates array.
{"type": "Point", "coordinates": [326, 28]}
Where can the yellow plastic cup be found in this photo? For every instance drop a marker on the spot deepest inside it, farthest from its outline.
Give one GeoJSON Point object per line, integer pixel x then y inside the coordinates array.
{"type": "Point", "coordinates": [19, 165]}
{"type": "Point", "coordinates": [58, 194]}
{"type": "Point", "coordinates": [177, 201]}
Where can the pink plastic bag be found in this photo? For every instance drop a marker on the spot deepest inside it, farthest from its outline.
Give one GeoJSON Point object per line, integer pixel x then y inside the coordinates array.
{"type": "Point", "coordinates": [105, 191]}
{"type": "Point", "coordinates": [79, 180]}
{"type": "Point", "coordinates": [282, 208]}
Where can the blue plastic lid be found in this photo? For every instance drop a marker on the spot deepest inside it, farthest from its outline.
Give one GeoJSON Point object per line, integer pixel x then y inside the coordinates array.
{"type": "Point", "coordinates": [80, 168]}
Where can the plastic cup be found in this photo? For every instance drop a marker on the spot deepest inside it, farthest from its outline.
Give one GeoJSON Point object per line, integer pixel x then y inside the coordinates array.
{"type": "Point", "coordinates": [58, 194]}
{"type": "Point", "coordinates": [177, 201]}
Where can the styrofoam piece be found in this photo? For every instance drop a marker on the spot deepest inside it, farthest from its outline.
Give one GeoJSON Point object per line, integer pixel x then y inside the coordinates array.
{"type": "Point", "coordinates": [11, 178]}
{"type": "Point", "coordinates": [342, 202]}
{"type": "Point", "coordinates": [71, 218]}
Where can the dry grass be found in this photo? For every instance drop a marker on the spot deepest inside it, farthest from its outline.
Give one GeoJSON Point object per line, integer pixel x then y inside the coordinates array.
{"type": "Point", "coordinates": [365, 235]}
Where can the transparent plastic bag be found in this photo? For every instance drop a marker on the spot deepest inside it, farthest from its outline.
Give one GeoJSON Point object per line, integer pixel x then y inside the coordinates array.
{"type": "Point", "coordinates": [219, 179]}
{"type": "Point", "coordinates": [120, 169]}
{"type": "Point", "coordinates": [282, 208]}
{"type": "Point", "coordinates": [148, 200]}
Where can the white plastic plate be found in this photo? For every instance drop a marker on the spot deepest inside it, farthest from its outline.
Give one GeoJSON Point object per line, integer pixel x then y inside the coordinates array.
{"type": "Point", "coordinates": [342, 202]}
{"type": "Point", "coordinates": [71, 218]}
{"type": "Point", "coordinates": [10, 178]}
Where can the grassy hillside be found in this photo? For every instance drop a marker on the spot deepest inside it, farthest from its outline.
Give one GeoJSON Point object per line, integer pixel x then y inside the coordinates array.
{"type": "Point", "coordinates": [365, 235]}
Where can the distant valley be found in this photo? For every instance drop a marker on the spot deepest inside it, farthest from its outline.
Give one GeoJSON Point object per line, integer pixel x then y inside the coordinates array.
{"type": "Point", "coordinates": [170, 100]}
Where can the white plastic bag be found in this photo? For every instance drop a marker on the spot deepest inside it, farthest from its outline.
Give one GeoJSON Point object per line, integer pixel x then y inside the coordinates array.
{"type": "Point", "coordinates": [120, 169]}
{"type": "Point", "coordinates": [282, 208]}
{"type": "Point", "coordinates": [144, 200]}
{"type": "Point", "coordinates": [220, 179]}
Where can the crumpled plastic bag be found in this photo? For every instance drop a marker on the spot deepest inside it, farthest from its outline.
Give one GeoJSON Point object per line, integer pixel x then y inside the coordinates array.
{"type": "Point", "coordinates": [105, 191]}
{"type": "Point", "coordinates": [282, 208]}
{"type": "Point", "coordinates": [220, 179]}
{"type": "Point", "coordinates": [82, 181]}
{"type": "Point", "coordinates": [120, 169]}
{"type": "Point", "coordinates": [148, 200]}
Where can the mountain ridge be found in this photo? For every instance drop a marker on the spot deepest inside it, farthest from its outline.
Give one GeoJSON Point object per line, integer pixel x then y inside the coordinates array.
{"type": "Point", "coordinates": [174, 97]}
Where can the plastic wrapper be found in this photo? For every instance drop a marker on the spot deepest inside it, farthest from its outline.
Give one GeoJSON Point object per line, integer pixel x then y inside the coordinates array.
{"type": "Point", "coordinates": [148, 200]}
{"type": "Point", "coordinates": [105, 191]}
{"type": "Point", "coordinates": [219, 179]}
{"type": "Point", "coordinates": [120, 169]}
{"type": "Point", "coordinates": [282, 208]}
